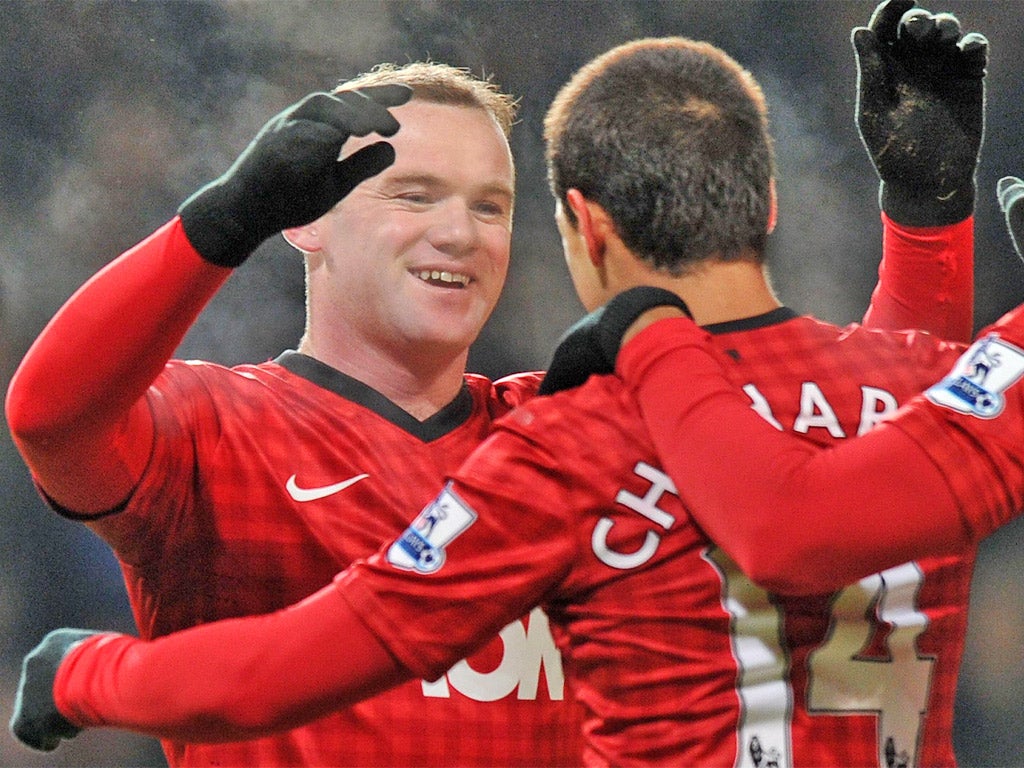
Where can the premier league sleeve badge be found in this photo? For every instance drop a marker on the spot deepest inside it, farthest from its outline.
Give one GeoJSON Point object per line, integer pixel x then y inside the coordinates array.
{"type": "Point", "coordinates": [421, 547]}
{"type": "Point", "coordinates": [977, 382]}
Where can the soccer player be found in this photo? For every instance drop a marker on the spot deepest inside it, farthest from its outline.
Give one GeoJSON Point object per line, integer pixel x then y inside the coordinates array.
{"type": "Point", "coordinates": [565, 505]}
{"type": "Point", "coordinates": [227, 492]}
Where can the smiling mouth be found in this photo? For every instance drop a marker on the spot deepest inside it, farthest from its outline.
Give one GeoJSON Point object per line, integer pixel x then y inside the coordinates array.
{"type": "Point", "coordinates": [443, 279]}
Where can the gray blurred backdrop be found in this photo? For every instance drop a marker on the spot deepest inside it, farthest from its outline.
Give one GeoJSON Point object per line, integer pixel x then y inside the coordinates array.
{"type": "Point", "coordinates": [113, 112]}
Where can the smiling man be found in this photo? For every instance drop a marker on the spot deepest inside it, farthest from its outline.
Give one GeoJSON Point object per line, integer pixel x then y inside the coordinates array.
{"type": "Point", "coordinates": [227, 492]}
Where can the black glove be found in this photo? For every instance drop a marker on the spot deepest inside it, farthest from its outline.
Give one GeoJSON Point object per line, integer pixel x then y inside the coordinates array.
{"type": "Point", "coordinates": [591, 345]}
{"type": "Point", "coordinates": [1010, 191]}
{"type": "Point", "coordinates": [289, 175]}
{"type": "Point", "coordinates": [36, 722]}
{"type": "Point", "coordinates": [921, 111]}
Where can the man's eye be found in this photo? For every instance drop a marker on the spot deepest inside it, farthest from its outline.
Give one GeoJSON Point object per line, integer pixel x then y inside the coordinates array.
{"type": "Point", "coordinates": [415, 197]}
{"type": "Point", "coordinates": [491, 209]}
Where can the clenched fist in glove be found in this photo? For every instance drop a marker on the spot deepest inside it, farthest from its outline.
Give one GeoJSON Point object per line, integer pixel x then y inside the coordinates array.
{"type": "Point", "coordinates": [36, 721]}
{"type": "Point", "coordinates": [591, 345]}
{"type": "Point", "coordinates": [920, 110]}
{"type": "Point", "coordinates": [290, 174]}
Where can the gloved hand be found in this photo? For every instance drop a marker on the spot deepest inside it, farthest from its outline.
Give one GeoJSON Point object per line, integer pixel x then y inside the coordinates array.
{"type": "Point", "coordinates": [921, 111]}
{"type": "Point", "coordinates": [1010, 192]}
{"type": "Point", "coordinates": [290, 175]}
{"type": "Point", "coordinates": [36, 721]}
{"type": "Point", "coordinates": [591, 345]}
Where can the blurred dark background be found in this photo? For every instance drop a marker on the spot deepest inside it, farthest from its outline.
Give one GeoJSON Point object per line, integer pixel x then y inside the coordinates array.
{"type": "Point", "coordinates": [112, 112]}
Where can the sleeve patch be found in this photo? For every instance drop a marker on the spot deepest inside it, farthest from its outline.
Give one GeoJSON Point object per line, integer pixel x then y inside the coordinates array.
{"type": "Point", "coordinates": [977, 382]}
{"type": "Point", "coordinates": [421, 547]}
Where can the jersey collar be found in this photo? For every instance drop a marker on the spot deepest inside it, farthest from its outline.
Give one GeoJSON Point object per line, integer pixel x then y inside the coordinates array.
{"type": "Point", "coordinates": [773, 317]}
{"type": "Point", "coordinates": [441, 423]}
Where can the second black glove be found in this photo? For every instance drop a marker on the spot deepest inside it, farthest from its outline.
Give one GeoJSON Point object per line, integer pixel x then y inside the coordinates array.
{"type": "Point", "coordinates": [290, 175]}
{"type": "Point", "coordinates": [591, 345]}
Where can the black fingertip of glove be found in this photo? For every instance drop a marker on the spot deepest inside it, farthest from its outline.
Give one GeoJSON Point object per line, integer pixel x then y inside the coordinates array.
{"type": "Point", "coordinates": [1010, 192]}
{"type": "Point", "coordinates": [361, 165]}
{"type": "Point", "coordinates": [949, 28]}
{"type": "Point", "coordinates": [974, 50]}
{"type": "Point", "coordinates": [391, 95]}
{"type": "Point", "coordinates": [917, 24]}
{"type": "Point", "coordinates": [885, 19]}
{"type": "Point", "coordinates": [36, 722]}
{"type": "Point", "coordinates": [591, 345]}
{"type": "Point", "coordinates": [862, 38]}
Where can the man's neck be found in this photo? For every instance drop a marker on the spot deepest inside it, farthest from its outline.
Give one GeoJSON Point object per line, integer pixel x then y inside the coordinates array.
{"type": "Point", "coordinates": [421, 385]}
{"type": "Point", "coordinates": [720, 292]}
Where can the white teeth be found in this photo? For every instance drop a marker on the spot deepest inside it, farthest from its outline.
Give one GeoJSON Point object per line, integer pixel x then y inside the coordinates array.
{"type": "Point", "coordinates": [444, 277]}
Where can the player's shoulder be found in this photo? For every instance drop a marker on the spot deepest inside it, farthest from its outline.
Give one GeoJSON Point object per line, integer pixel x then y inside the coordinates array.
{"type": "Point", "coordinates": [223, 375]}
{"type": "Point", "coordinates": [504, 394]}
{"type": "Point", "coordinates": [596, 410]}
{"type": "Point", "coordinates": [918, 343]}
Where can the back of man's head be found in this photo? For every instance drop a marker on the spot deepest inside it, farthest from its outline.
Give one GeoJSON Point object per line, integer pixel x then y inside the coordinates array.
{"type": "Point", "coordinates": [670, 137]}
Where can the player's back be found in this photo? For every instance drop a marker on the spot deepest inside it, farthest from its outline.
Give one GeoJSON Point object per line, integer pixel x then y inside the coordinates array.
{"type": "Point", "coordinates": [677, 657]}
{"type": "Point", "coordinates": [866, 676]}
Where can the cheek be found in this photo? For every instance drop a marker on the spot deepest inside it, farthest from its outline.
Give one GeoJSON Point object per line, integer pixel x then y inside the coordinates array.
{"type": "Point", "coordinates": [497, 247]}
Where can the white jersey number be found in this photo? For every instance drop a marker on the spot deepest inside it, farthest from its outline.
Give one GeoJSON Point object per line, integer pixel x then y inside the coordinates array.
{"type": "Point", "coordinates": [841, 679]}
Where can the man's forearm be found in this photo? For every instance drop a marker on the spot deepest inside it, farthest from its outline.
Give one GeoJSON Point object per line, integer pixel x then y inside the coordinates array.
{"type": "Point", "coordinates": [228, 680]}
{"type": "Point", "coordinates": [925, 280]}
{"type": "Point", "coordinates": [74, 405]}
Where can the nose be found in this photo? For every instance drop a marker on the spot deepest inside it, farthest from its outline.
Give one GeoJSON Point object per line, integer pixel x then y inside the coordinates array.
{"type": "Point", "coordinates": [454, 230]}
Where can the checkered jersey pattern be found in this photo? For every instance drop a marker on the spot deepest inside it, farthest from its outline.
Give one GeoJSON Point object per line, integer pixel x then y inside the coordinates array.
{"type": "Point", "coordinates": [235, 515]}
{"type": "Point", "coordinates": [678, 658]}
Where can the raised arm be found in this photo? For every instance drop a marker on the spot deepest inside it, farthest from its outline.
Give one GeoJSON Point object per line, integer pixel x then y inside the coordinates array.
{"type": "Point", "coordinates": [920, 114]}
{"type": "Point", "coordinates": [75, 406]}
{"type": "Point", "coordinates": [948, 469]}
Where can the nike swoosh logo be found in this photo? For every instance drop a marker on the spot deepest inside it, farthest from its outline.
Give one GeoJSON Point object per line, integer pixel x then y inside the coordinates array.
{"type": "Point", "coordinates": [312, 494]}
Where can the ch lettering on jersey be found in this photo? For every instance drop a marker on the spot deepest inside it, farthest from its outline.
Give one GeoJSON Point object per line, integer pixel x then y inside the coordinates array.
{"type": "Point", "coordinates": [977, 382]}
{"type": "Point", "coordinates": [816, 412]}
{"type": "Point", "coordinates": [646, 505]}
{"type": "Point", "coordinates": [529, 652]}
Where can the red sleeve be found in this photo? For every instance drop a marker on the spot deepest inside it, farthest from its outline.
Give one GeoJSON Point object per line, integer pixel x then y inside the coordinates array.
{"type": "Point", "coordinates": [829, 516]}
{"type": "Point", "coordinates": [228, 680]}
{"type": "Point", "coordinates": [75, 405]}
{"type": "Point", "coordinates": [972, 425]}
{"type": "Point", "coordinates": [925, 280]}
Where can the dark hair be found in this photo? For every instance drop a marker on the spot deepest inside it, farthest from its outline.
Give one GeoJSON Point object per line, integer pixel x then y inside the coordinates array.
{"type": "Point", "coordinates": [670, 137]}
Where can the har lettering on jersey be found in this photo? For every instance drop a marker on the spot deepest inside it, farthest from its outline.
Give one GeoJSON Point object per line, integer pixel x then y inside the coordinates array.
{"type": "Point", "coordinates": [421, 547]}
{"type": "Point", "coordinates": [977, 382]}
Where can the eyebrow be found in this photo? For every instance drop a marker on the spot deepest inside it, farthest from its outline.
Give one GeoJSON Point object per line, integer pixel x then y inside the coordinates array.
{"type": "Point", "coordinates": [431, 180]}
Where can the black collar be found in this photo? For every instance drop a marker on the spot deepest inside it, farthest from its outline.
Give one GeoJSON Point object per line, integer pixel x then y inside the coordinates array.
{"type": "Point", "coordinates": [774, 317]}
{"type": "Point", "coordinates": [441, 423]}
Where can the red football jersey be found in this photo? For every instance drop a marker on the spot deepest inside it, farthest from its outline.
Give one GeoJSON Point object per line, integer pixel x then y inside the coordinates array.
{"type": "Point", "coordinates": [677, 657]}
{"type": "Point", "coordinates": [276, 477]}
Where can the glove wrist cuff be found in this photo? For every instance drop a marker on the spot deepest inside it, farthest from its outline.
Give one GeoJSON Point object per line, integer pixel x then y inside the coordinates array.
{"type": "Point", "coordinates": [216, 233]}
{"type": "Point", "coordinates": [914, 208]}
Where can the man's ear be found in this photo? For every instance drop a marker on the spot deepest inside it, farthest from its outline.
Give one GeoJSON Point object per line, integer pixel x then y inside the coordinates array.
{"type": "Point", "coordinates": [593, 223]}
{"type": "Point", "coordinates": [305, 238]}
{"type": "Point", "coordinates": [773, 211]}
